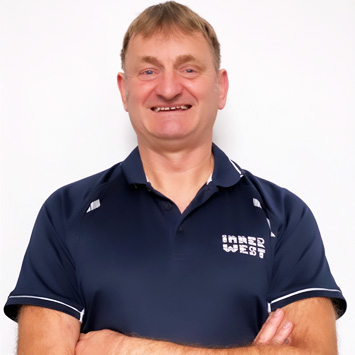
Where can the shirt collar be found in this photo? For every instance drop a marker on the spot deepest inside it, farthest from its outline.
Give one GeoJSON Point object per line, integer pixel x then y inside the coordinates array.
{"type": "Point", "coordinates": [226, 173]}
{"type": "Point", "coordinates": [132, 168]}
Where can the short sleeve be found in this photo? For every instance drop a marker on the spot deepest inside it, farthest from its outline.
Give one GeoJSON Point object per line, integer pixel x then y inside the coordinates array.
{"type": "Point", "coordinates": [300, 269]}
{"type": "Point", "coordinates": [47, 277]}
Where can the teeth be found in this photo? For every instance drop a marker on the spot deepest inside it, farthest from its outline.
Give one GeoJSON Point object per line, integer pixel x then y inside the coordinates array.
{"type": "Point", "coordinates": [182, 107]}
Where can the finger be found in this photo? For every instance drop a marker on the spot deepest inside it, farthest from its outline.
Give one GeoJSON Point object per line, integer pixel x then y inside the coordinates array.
{"type": "Point", "coordinates": [270, 327]}
{"type": "Point", "coordinates": [282, 334]}
{"type": "Point", "coordinates": [84, 336]}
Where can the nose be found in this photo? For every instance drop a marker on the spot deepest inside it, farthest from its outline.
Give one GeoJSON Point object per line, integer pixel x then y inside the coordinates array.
{"type": "Point", "coordinates": [169, 86]}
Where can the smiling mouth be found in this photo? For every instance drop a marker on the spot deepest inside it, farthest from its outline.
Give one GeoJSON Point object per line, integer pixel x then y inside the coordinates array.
{"type": "Point", "coordinates": [173, 108]}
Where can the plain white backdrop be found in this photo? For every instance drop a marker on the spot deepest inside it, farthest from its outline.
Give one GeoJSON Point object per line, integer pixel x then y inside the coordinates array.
{"type": "Point", "coordinates": [289, 118]}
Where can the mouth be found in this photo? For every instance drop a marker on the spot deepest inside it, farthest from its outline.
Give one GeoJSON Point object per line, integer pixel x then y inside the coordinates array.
{"type": "Point", "coordinates": [172, 108]}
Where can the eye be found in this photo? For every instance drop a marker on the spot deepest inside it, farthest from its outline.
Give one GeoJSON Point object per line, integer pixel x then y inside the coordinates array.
{"type": "Point", "coordinates": [190, 72]}
{"type": "Point", "coordinates": [148, 74]}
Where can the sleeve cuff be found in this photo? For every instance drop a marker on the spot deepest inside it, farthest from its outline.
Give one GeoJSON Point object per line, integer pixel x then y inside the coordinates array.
{"type": "Point", "coordinates": [334, 294]}
{"type": "Point", "coordinates": [14, 302]}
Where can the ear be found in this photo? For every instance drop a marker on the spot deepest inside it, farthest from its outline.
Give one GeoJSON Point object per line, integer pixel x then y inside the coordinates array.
{"type": "Point", "coordinates": [223, 85]}
{"type": "Point", "coordinates": [122, 87]}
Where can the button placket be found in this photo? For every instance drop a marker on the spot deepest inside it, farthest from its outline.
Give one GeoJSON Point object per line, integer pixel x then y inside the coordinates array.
{"type": "Point", "coordinates": [168, 206]}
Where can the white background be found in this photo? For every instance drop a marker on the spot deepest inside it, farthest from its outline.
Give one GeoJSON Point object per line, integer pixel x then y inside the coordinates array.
{"type": "Point", "coordinates": [289, 118]}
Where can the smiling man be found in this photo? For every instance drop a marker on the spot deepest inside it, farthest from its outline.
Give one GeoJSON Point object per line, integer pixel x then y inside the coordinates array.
{"type": "Point", "coordinates": [176, 250]}
{"type": "Point", "coordinates": [172, 96]}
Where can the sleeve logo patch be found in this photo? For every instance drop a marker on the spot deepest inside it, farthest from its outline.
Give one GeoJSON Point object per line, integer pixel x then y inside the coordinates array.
{"type": "Point", "coordinates": [253, 246]}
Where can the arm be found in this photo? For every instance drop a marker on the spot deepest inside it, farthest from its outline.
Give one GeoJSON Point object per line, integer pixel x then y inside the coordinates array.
{"type": "Point", "coordinates": [109, 342]}
{"type": "Point", "coordinates": [313, 334]}
{"type": "Point", "coordinates": [44, 331]}
{"type": "Point", "coordinates": [314, 330]}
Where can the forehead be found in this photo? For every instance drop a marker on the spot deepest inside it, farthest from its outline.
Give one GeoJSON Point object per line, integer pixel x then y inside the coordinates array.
{"type": "Point", "coordinates": [163, 45]}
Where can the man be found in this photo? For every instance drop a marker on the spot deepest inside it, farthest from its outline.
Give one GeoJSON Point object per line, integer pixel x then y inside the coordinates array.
{"type": "Point", "coordinates": [176, 250]}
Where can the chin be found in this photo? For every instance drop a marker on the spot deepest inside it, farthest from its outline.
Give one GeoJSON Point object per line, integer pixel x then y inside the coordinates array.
{"type": "Point", "coordinates": [172, 132]}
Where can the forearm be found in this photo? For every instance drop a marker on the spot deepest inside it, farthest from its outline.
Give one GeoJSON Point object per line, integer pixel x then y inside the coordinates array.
{"type": "Point", "coordinates": [137, 346]}
{"type": "Point", "coordinates": [313, 335]}
{"type": "Point", "coordinates": [44, 331]}
{"type": "Point", "coordinates": [276, 330]}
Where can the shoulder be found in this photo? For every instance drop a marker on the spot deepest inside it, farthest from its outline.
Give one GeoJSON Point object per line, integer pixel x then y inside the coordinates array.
{"type": "Point", "coordinates": [71, 199]}
{"type": "Point", "coordinates": [273, 196]}
{"type": "Point", "coordinates": [284, 209]}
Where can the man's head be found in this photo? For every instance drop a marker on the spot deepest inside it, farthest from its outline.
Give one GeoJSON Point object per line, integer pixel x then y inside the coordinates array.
{"type": "Point", "coordinates": [171, 86]}
{"type": "Point", "coordinates": [167, 18]}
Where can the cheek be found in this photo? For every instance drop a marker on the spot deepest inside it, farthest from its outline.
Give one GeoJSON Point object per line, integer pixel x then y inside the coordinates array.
{"type": "Point", "coordinates": [138, 94]}
{"type": "Point", "coordinates": [204, 90]}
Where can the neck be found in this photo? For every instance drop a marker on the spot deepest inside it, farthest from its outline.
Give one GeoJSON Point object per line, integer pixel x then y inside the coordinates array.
{"type": "Point", "coordinates": [178, 174]}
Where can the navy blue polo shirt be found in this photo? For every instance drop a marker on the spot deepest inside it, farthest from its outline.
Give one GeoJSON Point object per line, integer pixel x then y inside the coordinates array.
{"type": "Point", "coordinates": [116, 254]}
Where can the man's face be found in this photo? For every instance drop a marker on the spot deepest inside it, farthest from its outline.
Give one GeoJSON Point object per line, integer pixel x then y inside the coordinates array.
{"type": "Point", "coordinates": [171, 89]}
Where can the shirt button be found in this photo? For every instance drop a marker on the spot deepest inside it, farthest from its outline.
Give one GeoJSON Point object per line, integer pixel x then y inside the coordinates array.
{"type": "Point", "coordinates": [180, 229]}
{"type": "Point", "coordinates": [168, 206]}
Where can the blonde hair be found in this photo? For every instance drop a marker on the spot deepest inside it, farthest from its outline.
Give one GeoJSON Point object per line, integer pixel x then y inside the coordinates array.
{"type": "Point", "coordinates": [170, 16]}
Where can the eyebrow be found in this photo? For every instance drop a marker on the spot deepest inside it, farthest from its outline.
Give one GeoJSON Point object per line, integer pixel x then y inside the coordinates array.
{"type": "Point", "coordinates": [151, 60]}
{"type": "Point", "coordinates": [181, 59]}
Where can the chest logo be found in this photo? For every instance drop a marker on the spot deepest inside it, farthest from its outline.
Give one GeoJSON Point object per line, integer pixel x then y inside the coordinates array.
{"type": "Point", "coordinates": [253, 246]}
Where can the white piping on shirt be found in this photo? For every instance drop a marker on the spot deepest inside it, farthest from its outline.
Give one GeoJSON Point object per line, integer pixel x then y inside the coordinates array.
{"type": "Point", "coordinates": [301, 291]}
{"type": "Point", "coordinates": [209, 179]}
{"type": "Point", "coordinates": [55, 301]}
{"type": "Point", "coordinates": [236, 168]}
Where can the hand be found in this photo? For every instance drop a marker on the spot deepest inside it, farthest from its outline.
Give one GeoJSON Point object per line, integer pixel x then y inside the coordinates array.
{"type": "Point", "coordinates": [99, 342]}
{"type": "Point", "coordinates": [276, 330]}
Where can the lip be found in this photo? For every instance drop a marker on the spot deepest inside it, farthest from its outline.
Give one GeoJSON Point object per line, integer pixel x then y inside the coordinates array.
{"type": "Point", "coordinates": [171, 108]}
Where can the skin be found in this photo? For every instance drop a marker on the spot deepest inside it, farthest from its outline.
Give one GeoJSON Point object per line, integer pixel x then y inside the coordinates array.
{"type": "Point", "coordinates": [44, 331]}
{"type": "Point", "coordinates": [177, 74]}
{"type": "Point", "coordinates": [175, 148]}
